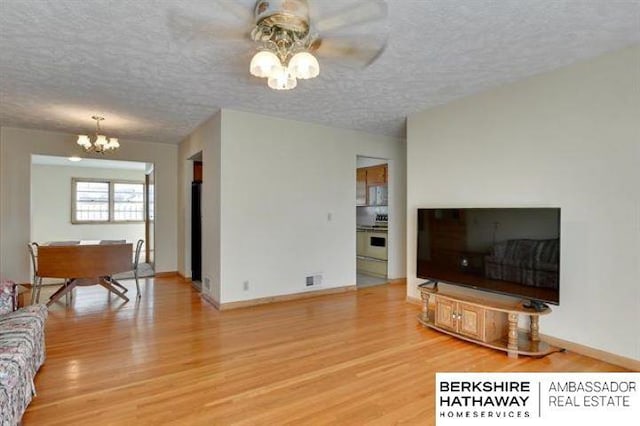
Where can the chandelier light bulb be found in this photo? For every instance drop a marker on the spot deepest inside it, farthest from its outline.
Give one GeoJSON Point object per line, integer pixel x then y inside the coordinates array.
{"type": "Point", "coordinates": [113, 143]}
{"type": "Point", "coordinates": [84, 141]}
{"type": "Point", "coordinates": [304, 65]}
{"type": "Point", "coordinates": [101, 140]}
{"type": "Point", "coordinates": [282, 79]}
{"type": "Point", "coordinates": [263, 64]}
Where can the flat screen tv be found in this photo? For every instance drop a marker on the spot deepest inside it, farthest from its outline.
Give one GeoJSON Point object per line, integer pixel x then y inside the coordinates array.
{"type": "Point", "coordinates": [512, 251]}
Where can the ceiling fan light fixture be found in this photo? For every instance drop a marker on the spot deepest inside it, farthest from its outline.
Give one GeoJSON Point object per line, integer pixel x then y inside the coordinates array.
{"type": "Point", "coordinates": [263, 64]}
{"type": "Point", "coordinates": [304, 65]}
{"type": "Point", "coordinates": [282, 79]}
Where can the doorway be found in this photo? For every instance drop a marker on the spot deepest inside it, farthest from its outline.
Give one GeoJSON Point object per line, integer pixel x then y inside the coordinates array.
{"type": "Point", "coordinates": [196, 222]}
{"type": "Point", "coordinates": [150, 196]}
{"type": "Point", "coordinates": [372, 218]}
{"type": "Point", "coordinates": [87, 199]}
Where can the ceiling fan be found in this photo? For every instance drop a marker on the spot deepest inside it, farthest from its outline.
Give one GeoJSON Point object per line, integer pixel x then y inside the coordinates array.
{"type": "Point", "coordinates": [287, 35]}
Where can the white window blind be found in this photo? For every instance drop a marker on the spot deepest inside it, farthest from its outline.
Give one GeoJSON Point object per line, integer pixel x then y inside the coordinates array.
{"type": "Point", "coordinates": [92, 201]}
{"type": "Point", "coordinates": [128, 202]}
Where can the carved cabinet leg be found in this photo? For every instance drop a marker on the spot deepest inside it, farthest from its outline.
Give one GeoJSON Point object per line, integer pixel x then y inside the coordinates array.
{"type": "Point", "coordinates": [512, 346]}
{"type": "Point", "coordinates": [425, 306]}
{"type": "Point", "coordinates": [535, 329]}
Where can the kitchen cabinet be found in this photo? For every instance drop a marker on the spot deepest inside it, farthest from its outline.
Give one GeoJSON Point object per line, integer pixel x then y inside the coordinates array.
{"type": "Point", "coordinates": [361, 187]}
{"type": "Point", "coordinates": [370, 266]}
{"type": "Point", "coordinates": [371, 186]}
{"type": "Point", "coordinates": [377, 175]}
{"type": "Point", "coordinates": [361, 243]}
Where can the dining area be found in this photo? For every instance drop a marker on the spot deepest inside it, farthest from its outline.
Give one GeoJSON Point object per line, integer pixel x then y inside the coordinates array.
{"type": "Point", "coordinates": [78, 263]}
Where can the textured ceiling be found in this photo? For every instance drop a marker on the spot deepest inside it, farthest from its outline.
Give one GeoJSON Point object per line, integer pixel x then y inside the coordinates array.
{"type": "Point", "coordinates": [62, 61]}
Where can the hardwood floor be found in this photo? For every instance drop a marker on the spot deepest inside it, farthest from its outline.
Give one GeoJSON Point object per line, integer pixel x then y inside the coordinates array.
{"type": "Point", "coordinates": [350, 358]}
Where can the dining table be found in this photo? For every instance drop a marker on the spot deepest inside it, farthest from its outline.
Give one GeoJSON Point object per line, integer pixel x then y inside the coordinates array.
{"type": "Point", "coordinates": [84, 263]}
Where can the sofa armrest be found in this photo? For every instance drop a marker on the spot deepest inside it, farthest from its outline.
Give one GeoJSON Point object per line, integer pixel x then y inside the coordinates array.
{"type": "Point", "coordinates": [8, 297]}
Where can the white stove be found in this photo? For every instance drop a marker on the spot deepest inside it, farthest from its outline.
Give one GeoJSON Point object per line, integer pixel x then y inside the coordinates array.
{"type": "Point", "coordinates": [372, 247]}
{"type": "Point", "coordinates": [382, 221]}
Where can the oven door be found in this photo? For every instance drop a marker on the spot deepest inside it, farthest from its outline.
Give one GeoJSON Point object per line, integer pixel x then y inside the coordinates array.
{"type": "Point", "coordinates": [377, 245]}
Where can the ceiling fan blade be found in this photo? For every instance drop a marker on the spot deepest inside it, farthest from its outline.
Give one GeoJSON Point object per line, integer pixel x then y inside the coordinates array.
{"type": "Point", "coordinates": [241, 10]}
{"type": "Point", "coordinates": [350, 50]}
{"type": "Point", "coordinates": [356, 13]}
{"type": "Point", "coordinates": [190, 28]}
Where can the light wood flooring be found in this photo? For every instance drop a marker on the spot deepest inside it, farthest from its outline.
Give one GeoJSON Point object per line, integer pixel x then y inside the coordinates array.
{"type": "Point", "coordinates": [350, 358]}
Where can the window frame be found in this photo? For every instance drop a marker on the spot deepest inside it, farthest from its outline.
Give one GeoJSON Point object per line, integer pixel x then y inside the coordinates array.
{"type": "Point", "coordinates": [110, 201]}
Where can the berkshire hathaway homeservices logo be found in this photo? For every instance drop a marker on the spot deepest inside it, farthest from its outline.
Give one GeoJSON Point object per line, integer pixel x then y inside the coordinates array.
{"type": "Point", "coordinates": [536, 398]}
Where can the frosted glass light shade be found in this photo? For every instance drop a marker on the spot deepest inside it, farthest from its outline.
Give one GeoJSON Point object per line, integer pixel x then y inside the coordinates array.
{"type": "Point", "coordinates": [263, 64]}
{"type": "Point", "coordinates": [101, 140]}
{"type": "Point", "coordinates": [113, 143]}
{"type": "Point", "coordinates": [304, 65]}
{"type": "Point", "coordinates": [83, 140]}
{"type": "Point", "coordinates": [281, 79]}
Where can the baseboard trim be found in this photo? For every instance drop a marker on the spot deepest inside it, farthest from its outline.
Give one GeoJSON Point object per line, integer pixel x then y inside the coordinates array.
{"type": "Point", "coordinates": [414, 300]}
{"type": "Point", "coordinates": [184, 278]}
{"type": "Point", "coordinates": [168, 274]}
{"type": "Point", "coordinates": [284, 298]}
{"type": "Point", "coordinates": [210, 300]}
{"type": "Point", "coordinates": [398, 281]}
{"type": "Point", "coordinates": [598, 354]}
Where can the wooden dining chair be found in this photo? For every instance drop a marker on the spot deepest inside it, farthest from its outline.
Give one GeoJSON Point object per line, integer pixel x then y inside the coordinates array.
{"type": "Point", "coordinates": [136, 264]}
{"type": "Point", "coordinates": [135, 268]}
{"type": "Point", "coordinates": [64, 243]}
{"type": "Point", "coordinates": [110, 279]}
{"type": "Point", "coordinates": [37, 279]}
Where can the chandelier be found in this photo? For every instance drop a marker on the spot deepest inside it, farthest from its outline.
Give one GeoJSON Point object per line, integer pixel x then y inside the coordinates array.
{"type": "Point", "coordinates": [100, 144]}
{"type": "Point", "coordinates": [285, 41]}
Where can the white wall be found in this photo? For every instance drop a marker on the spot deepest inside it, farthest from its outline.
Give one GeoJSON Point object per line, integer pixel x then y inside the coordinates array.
{"type": "Point", "coordinates": [569, 138]}
{"type": "Point", "coordinates": [206, 139]}
{"type": "Point", "coordinates": [187, 149]}
{"type": "Point", "coordinates": [51, 205]}
{"type": "Point", "coordinates": [16, 148]}
{"type": "Point", "coordinates": [280, 181]}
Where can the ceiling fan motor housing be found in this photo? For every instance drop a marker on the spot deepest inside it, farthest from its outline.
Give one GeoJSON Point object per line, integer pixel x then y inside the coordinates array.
{"type": "Point", "coordinates": [290, 15]}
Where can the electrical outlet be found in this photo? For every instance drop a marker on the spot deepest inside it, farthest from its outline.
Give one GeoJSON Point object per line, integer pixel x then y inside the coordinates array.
{"type": "Point", "coordinates": [207, 283]}
{"type": "Point", "coordinates": [313, 280]}
{"type": "Point", "coordinates": [245, 286]}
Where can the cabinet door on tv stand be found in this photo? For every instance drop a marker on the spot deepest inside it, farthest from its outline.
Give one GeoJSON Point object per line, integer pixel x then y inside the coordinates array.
{"type": "Point", "coordinates": [445, 314]}
{"type": "Point", "coordinates": [471, 321]}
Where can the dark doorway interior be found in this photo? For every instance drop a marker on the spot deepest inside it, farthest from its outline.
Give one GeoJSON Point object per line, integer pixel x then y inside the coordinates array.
{"type": "Point", "coordinates": [196, 222]}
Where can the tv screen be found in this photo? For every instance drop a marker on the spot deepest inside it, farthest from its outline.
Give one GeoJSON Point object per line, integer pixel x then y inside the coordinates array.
{"type": "Point", "coordinates": [513, 251]}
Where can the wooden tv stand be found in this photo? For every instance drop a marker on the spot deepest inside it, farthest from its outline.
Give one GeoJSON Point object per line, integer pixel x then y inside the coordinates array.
{"type": "Point", "coordinates": [493, 324]}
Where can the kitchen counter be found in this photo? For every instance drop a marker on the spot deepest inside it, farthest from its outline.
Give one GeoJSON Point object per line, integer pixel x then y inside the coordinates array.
{"type": "Point", "coordinates": [367, 228]}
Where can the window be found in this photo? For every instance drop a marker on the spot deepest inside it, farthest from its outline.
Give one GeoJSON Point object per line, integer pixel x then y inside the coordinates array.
{"type": "Point", "coordinates": [92, 201]}
{"type": "Point", "coordinates": [107, 201]}
{"type": "Point", "coordinates": [128, 202]}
